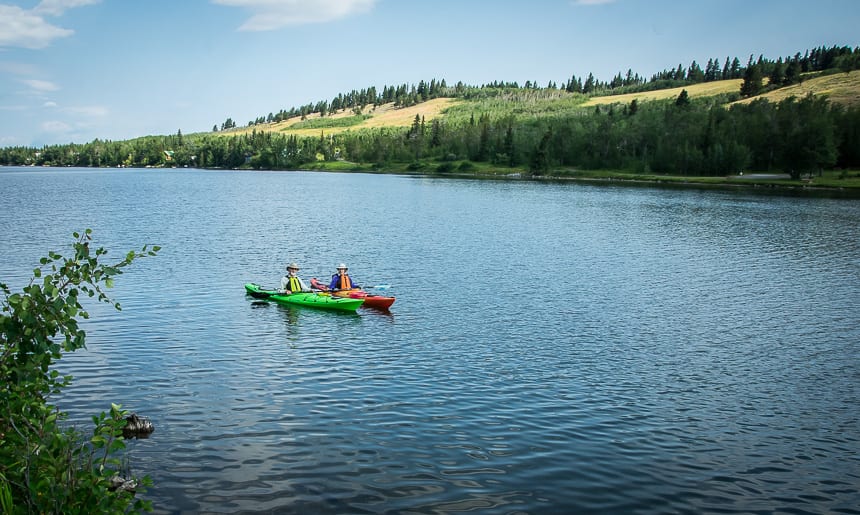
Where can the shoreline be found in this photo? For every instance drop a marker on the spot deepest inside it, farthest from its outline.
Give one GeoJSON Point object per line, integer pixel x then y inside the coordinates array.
{"type": "Point", "coordinates": [759, 183]}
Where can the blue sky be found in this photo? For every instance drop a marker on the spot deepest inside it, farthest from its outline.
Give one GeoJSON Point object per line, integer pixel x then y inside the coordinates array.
{"type": "Point", "coordinates": [76, 70]}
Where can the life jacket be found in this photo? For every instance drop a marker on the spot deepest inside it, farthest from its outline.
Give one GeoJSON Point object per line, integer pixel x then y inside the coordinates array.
{"type": "Point", "coordinates": [344, 282]}
{"type": "Point", "coordinates": [295, 284]}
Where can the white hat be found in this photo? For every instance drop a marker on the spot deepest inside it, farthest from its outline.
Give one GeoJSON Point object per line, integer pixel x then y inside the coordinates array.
{"type": "Point", "coordinates": [293, 265]}
{"type": "Point", "coordinates": [342, 266]}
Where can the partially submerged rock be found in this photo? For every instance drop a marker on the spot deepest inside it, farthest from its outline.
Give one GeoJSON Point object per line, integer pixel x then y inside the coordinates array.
{"type": "Point", "coordinates": [121, 484]}
{"type": "Point", "coordinates": [137, 427]}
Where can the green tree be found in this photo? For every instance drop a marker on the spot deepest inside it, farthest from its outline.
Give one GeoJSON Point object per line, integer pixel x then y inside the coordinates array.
{"type": "Point", "coordinates": [777, 74]}
{"type": "Point", "coordinates": [509, 144]}
{"type": "Point", "coordinates": [807, 131]}
{"type": "Point", "coordinates": [792, 72]}
{"type": "Point", "coordinates": [752, 83]}
{"type": "Point", "coordinates": [540, 159]}
{"type": "Point", "coordinates": [683, 99]}
{"type": "Point", "coordinates": [45, 468]}
{"type": "Point", "coordinates": [634, 107]}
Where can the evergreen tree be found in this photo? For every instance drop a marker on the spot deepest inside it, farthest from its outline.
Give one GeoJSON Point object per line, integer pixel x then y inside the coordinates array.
{"type": "Point", "coordinates": [727, 70]}
{"type": "Point", "coordinates": [540, 159]}
{"type": "Point", "coordinates": [752, 84]}
{"type": "Point", "coordinates": [777, 74]}
{"type": "Point", "coordinates": [735, 70]}
{"type": "Point", "coordinates": [792, 72]}
{"type": "Point", "coordinates": [589, 85]}
{"type": "Point", "coordinates": [509, 144]}
{"type": "Point", "coordinates": [695, 73]}
{"type": "Point", "coordinates": [683, 99]}
{"type": "Point", "coordinates": [634, 107]}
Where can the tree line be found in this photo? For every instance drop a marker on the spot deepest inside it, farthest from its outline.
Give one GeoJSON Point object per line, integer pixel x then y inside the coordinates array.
{"type": "Point", "coordinates": [679, 136]}
{"type": "Point", "coordinates": [780, 72]}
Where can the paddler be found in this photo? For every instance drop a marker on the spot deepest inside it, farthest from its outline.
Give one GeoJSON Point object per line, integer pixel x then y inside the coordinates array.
{"type": "Point", "coordinates": [292, 283]}
{"type": "Point", "coordinates": [341, 280]}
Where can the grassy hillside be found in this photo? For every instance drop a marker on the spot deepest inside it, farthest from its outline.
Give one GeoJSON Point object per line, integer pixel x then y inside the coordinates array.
{"type": "Point", "coordinates": [841, 88]}
{"type": "Point", "coordinates": [704, 89]}
{"type": "Point", "coordinates": [383, 116]}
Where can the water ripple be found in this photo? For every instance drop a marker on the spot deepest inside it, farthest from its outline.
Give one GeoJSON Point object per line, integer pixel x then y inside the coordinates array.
{"type": "Point", "coordinates": [553, 348]}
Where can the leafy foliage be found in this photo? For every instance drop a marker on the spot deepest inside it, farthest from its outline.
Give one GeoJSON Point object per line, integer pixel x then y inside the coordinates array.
{"type": "Point", "coordinates": [45, 467]}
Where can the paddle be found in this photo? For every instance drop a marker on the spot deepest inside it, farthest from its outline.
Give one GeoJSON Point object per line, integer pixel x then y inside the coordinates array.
{"type": "Point", "coordinates": [315, 284]}
{"type": "Point", "coordinates": [377, 287]}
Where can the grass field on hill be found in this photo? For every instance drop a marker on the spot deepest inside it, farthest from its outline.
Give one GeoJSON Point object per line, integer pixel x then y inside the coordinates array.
{"type": "Point", "coordinates": [382, 116]}
{"type": "Point", "coordinates": [704, 89]}
{"type": "Point", "coordinates": [840, 88]}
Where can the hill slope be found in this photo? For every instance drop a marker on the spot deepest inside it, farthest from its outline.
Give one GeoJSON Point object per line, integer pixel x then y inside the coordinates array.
{"type": "Point", "coordinates": [841, 88]}
{"type": "Point", "coordinates": [382, 116]}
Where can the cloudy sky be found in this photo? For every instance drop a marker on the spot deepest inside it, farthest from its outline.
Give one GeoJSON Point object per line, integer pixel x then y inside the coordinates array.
{"type": "Point", "coordinates": [76, 70]}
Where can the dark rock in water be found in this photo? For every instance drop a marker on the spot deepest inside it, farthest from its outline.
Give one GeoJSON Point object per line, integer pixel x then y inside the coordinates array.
{"type": "Point", "coordinates": [119, 483]}
{"type": "Point", "coordinates": [137, 427]}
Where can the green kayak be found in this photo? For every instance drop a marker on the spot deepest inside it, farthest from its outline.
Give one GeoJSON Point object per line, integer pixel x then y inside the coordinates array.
{"type": "Point", "coordinates": [304, 299]}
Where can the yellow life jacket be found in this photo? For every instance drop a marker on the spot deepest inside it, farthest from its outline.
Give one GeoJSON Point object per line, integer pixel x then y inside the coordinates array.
{"type": "Point", "coordinates": [295, 284]}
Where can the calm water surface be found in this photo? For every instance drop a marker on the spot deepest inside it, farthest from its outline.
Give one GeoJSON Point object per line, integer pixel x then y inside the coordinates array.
{"type": "Point", "coordinates": [554, 348]}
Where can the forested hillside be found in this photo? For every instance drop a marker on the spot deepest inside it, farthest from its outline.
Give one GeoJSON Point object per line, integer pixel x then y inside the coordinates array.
{"type": "Point", "coordinates": [715, 120]}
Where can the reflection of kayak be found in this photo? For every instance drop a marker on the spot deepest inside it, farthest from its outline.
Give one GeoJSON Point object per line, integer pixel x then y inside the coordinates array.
{"type": "Point", "coordinates": [313, 300]}
{"type": "Point", "coordinates": [370, 300]}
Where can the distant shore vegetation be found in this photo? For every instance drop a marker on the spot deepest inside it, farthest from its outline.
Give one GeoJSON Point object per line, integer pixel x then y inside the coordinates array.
{"type": "Point", "coordinates": [718, 120]}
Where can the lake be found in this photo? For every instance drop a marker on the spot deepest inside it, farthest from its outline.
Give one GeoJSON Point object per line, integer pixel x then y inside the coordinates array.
{"type": "Point", "coordinates": [554, 347]}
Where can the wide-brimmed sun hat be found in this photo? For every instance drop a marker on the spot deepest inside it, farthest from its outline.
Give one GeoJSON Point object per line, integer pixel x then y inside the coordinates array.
{"type": "Point", "coordinates": [293, 266]}
{"type": "Point", "coordinates": [342, 267]}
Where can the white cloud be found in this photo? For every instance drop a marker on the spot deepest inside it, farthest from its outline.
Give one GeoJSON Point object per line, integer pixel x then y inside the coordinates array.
{"type": "Point", "coordinates": [89, 111]}
{"type": "Point", "coordinates": [40, 86]}
{"type": "Point", "coordinates": [276, 14]}
{"type": "Point", "coordinates": [592, 2]}
{"type": "Point", "coordinates": [56, 126]}
{"type": "Point", "coordinates": [58, 7]}
{"type": "Point", "coordinates": [49, 104]}
{"type": "Point", "coordinates": [17, 68]}
{"type": "Point", "coordinates": [25, 29]}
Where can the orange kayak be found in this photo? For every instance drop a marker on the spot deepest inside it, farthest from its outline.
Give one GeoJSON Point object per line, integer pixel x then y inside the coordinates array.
{"type": "Point", "coordinates": [370, 300]}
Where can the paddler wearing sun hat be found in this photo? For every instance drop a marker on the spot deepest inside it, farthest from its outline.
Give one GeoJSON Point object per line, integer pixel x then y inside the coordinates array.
{"type": "Point", "coordinates": [341, 280]}
{"type": "Point", "coordinates": [292, 283]}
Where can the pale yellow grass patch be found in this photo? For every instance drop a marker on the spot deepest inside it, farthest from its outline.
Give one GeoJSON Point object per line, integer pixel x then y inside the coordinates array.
{"type": "Point", "coordinates": [704, 89]}
{"type": "Point", "coordinates": [385, 115]}
{"type": "Point", "coordinates": [404, 117]}
{"type": "Point", "coordinates": [841, 88]}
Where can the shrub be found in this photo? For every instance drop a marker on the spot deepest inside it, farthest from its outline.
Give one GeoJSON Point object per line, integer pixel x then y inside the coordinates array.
{"type": "Point", "coordinates": [44, 466]}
